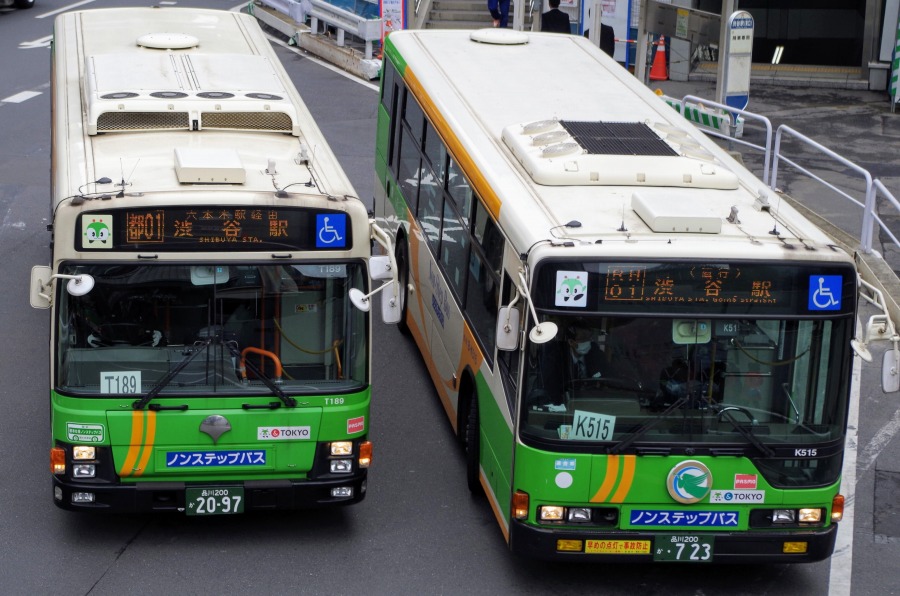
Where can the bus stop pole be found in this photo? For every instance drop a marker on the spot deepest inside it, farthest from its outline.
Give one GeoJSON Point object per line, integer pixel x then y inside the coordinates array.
{"type": "Point", "coordinates": [727, 9]}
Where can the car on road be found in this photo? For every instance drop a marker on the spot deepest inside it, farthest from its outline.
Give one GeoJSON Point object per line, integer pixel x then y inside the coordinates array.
{"type": "Point", "coordinates": [16, 3]}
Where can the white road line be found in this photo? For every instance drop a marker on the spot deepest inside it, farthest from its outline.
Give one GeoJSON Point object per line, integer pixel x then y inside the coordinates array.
{"type": "Point", "coordinates": [840, 578]}
{"type": "Point", "coordinates": [43, 42]}
{"type": "Point", "coordinates": [20, 97]}
{"type": "Point", "coordinates": [881, 439]}
{"type": "Point", "coordinates": [63, 9]}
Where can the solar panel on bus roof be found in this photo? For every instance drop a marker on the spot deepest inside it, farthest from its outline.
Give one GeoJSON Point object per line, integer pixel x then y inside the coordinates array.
{"type": "Point", "coordinates": [617, 138]}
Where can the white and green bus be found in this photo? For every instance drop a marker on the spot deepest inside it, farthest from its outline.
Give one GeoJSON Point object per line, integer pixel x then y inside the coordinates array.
{"type": "Point", "coordinates": [645, 354]}
{"type": "Point", "coordinates": [208, 252]}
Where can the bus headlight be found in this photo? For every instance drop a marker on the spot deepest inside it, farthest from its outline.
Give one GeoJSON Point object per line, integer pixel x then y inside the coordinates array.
{"type": "Point", "coordinates": [551, 513]}
{"type": "Point", "coordinates": [84, 452]}
{"type": "Point", "coordinates": [84, 470]}
{"type": "Point", "coordinates": [342, 448]}
{"type": "Point", "coordinates": [810, 515]}
{"type": "Point", "coordinates": [578, 515]}
{"type": "Point", "coordinates": [784, 516]}
{"type": "Point", "coordinates": [341, 466]}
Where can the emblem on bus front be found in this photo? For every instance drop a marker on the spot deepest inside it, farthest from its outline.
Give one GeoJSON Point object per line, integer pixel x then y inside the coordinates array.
{"type": "Point", "coordinates": [215, 426]}
{"type": "Point", "coordinates": [689, 482]}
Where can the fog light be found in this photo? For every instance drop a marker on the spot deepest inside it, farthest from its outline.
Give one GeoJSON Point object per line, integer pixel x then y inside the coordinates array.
{"type": "Point", "coordinates": [365, 454]}
{"type": "Point", "coordinates": [342, 491]}
{"type": "Point", "coordinates": [579, 515]}
{"type": "Point", "coordinates": [84, 470]}
{"type": "Point", "coordinates": [342, 448]}
{"type": "Point", "coordinates": [571, 546]}
{"type": "Point", "coordinates": [784, 516]}
{"type": "Point", "coordinates": [552, 513]}
{"type": "Point", "coordinates": [810, 516]}
{"type": "Point", "coordinates": [57, 493]}
{"type": "Point", "coordinates": [84, 452]}
{"type": "Point", "coordinates": [794, 547]}
{"type": "Point", "coordinates": [341, 466]}
{"type": "Point", "coordinates": [82, 497]}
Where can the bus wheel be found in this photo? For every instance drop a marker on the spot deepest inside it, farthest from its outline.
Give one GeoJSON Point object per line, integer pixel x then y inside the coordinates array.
{"type": "Point", "coordinates": [402, 257]}
{"type": "Point", "coordinates": [472, 446]}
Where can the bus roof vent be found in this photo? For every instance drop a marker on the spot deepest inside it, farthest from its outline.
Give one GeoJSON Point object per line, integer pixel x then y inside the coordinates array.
{"type": "Point", "coordinates": [168, 90]}
{"type": "Point", "coordinates": [209, 166]}
{"type": "Point", "coordinates": [576, 153]}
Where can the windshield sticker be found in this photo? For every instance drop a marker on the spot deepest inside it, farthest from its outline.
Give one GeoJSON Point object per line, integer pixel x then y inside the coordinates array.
{"type": "Point", "coordinates": [825, 292]}
{"type": "Point", "coordinates": [737, 496]}
{"type": "Point", "coordinates": [215, 459]}
{"type": "Point", "coordinates": [565, 464]}
{"type": "Point", "coordinates": [356, 425]}
{"type": "Point", "coordinates": [564, 480]}
{"type": "Point", "coordinates": [571, 288]}
{"type": "Point", "coordinates": [84, 433]}
{"type": "Point", "coordinates": [97, 231]}
{"type": "Point", "coordinates": [593, 427]}
{"type": "Point", "coordinates": [694, 519]}
{"type": "Point", "coordinates": [282, 433]}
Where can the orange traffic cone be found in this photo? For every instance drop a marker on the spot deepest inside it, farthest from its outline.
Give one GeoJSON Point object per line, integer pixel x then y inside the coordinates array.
{"type": "Point", "coordinates": [659, 71]}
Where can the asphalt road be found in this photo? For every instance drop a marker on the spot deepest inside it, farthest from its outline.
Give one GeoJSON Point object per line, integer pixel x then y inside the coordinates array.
{"type": "Point", "coordinates": [418, 530]}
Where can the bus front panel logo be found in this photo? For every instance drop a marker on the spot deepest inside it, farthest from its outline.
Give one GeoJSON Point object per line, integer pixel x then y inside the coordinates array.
{"type": "Point", "coordinates": [825, 292]}
{"type": "Point", "coordinates": [96, 231]}
{"type": "Point", "coordinates": [689, 482]}
{"type": "Point", "coordinates": [571, 288]}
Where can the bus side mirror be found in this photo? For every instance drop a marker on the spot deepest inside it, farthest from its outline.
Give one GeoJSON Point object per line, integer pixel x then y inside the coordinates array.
{"type": "Point", "coordinates": [380, 268]}
{"type": "Point", "coordinates": [40, 285]}
{"type": "Point", "coordinates": [508, 329]}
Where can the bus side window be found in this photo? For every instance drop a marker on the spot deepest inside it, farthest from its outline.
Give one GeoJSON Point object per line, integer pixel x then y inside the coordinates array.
{"type": "Point", "coordinates": [489, 237]}
{"type": "Point", "coordinates": [410, 165]}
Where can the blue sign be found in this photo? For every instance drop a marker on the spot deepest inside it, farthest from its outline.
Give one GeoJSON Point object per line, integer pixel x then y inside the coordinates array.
{"type": "Point", "coordinates": [331, 230]}
{"type": "Point", "coordinates": [692, 519]}
{"type": "Point", "coordinates": [215, 459]}
{"type": "Point", "coordinates": [742, 23]}
{"type": "Point", "coordinates": [825, 292]}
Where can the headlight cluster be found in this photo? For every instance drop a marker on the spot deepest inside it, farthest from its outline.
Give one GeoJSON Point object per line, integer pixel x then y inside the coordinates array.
{"type": "Point", "coordinates": [340, 459]}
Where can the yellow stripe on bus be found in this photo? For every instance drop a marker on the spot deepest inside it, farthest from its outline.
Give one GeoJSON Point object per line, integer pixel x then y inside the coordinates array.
{"type": "Point", "coordinates": [137, 434]}
{"type": "Point", "coordinates": [149, 440]}
{"type": "Point", "coordinates": [609, 481]}
{"type": "Point", "coordinates": [630, 463]}
{"type": "Point", "coordinates": [472, 172]}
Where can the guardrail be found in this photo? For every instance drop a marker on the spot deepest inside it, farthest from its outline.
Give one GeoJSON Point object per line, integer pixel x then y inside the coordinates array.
{"type": "Point", "coordinates": [773, 154]}
{"type": "Point", "coordinates": [344, 21]}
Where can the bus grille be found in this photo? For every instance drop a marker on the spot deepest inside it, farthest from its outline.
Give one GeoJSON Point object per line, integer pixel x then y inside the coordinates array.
{"type": "Point", "coordinates": [275, 121]}
{"type": "Point", "coordinates": [120, 121]}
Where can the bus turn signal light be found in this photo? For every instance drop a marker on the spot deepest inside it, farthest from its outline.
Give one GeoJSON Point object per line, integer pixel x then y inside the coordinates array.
{"type": "Point", "coordinates": [365, 454]}
{"type": "Point", "coordinates": [837, 508]}
{"type": "Point", "coordinates": [520, 504]}
{"type": "Point", "coordinates": [58, 460]}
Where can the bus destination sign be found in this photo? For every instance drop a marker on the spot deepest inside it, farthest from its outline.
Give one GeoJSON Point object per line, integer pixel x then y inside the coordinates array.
{"type": "Point", "coordinates": [220, 228]}
{"type": "Point", "coordinates": [725, 288]}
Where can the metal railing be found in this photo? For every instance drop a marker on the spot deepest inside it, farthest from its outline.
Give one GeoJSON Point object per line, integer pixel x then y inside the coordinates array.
{"type": "Point", "coordinates": [774, 153]}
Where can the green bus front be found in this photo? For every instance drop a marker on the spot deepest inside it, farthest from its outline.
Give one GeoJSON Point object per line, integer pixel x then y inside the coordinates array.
{"type": "Point", "coordinates": [209, 387]}
{"type": "Point", "coordinates": [710, 425]}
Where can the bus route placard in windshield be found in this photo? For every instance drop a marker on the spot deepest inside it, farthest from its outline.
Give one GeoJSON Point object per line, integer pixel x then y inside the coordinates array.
{"type": "Point", "coordinates": [213, 228]}
{"type": "Point", "coordinates": [726, 288]}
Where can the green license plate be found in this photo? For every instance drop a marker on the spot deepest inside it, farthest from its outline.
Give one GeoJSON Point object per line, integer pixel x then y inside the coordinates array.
{"type": "Point", "coordinates": [685, 548]}
{"type": "Point", "coordinates": [214, 500]}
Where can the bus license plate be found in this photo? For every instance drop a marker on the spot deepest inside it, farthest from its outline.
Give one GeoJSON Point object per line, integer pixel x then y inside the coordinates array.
{"type": "Point", "coordinates": [217, 500]}
{"type": "Point", "coordinates": [685, 548]}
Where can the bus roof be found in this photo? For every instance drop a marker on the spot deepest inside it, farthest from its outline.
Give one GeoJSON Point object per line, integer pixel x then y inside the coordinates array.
{"type": "Point", "coordinates": [157, 99]}
{"type": "Point", "coordinates": [564, 145]}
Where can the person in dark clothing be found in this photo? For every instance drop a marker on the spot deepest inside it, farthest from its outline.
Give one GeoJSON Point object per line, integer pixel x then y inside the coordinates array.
{"type": "Point", "coordinates": [607, 39]}
{"type": "Point", "coordinates": [499, 10]}
{"type": "Point", "coordinates": [555, 20]}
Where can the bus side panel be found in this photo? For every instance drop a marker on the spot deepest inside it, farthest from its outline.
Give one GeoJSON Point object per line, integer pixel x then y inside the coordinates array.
{"type": "Point", "coordinates": [496, 443]}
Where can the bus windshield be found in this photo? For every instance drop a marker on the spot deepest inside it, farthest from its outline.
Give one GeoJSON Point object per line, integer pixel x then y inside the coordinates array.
{"type": "Point", "coordinates": [608, 383]}
{"type": "Point", "coordinates": [240, 327]}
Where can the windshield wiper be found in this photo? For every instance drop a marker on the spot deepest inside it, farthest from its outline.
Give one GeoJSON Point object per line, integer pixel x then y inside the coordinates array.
{"type": "Point", "coordinates": [285, 398]}
{"type": "Point", "coordinates": [642, 429]}
{"type": "Point", "coordinates": [747, 434]}
{"type": "Point", "coordinates": [164, 382]}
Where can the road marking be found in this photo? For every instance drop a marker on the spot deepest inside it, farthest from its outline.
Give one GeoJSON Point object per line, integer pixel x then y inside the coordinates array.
{"type": "Point", "coordinates": [840, 577]}
{"type": "Point", "coordinates": [43, 42]}
{"type": "Point", "coordinates": [20, 97]}
{"type": "Point", "coordinates": [880, 441]}
{"type": "Point", "coordinates": [63, 9]}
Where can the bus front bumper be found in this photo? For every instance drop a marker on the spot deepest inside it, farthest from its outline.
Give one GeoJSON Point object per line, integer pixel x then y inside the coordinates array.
{"type": "Point", "coordinates": [258, 495]}
{"type": "Point", "coordinates": [757, 546]}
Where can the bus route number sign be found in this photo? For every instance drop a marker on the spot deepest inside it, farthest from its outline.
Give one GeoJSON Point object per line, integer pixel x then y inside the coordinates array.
{"type": "Point", "coordinates": [684, 548]}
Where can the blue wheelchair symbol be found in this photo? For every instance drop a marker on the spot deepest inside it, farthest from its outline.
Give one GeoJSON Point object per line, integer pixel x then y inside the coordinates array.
{"type": "Point", "coordinates": [331, 230]}
{"type": "Point", "coordinates": [825, 292]}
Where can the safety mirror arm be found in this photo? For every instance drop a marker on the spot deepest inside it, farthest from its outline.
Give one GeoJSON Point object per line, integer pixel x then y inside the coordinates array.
{"type": "Point", "coordinates": [541, 332]}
